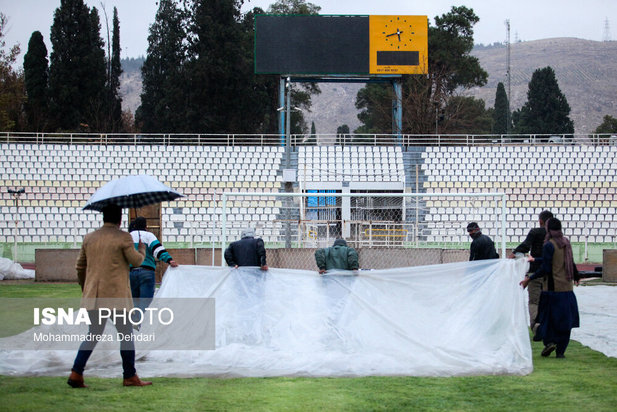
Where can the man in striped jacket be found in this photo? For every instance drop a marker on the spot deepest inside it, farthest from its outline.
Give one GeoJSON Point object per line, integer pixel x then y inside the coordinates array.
{"type": "Point", "coordinates": [142, 277]}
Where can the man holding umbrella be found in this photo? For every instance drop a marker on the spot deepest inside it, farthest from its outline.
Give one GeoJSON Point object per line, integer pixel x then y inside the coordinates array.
{"type": "Point", "coordinates": [103, 267]}
{"type": "Point", "coordinates": [103, 272]}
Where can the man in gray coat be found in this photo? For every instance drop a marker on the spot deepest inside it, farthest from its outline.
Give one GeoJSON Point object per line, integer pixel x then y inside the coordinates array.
{"type": "Point", "coordinates": [338, 256]}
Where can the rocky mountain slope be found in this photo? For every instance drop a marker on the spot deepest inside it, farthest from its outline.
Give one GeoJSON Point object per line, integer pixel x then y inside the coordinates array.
{"type": "Point", "coordinates": [586, 72]}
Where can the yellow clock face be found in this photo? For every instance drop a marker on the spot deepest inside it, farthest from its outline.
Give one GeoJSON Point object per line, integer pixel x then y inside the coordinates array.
{"type": "Point", "coordinates": [398, 44]}
{"type": "Point", "coordinates": [397, 33]}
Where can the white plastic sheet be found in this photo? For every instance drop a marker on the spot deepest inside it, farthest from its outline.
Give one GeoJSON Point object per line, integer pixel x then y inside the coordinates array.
{"type": "Point", "coordinates": [467, 318]}
{"type": "Point", "coordinates": [12, 270]}
{"type": "Point", "coordinates": [598, 312]}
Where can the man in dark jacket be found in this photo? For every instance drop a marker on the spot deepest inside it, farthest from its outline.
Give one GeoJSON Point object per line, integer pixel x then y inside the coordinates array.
{"type": "Point", "coordinates": [338, 256]}
{"type": "Point", "coordinates": [482, 246]}
{"type": "Point", "coordinates": [533, 245]}
{"type": "Point", "coordinates": [247, 251]}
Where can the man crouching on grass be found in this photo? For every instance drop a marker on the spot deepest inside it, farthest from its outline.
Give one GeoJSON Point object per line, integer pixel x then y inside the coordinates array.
{"type": "Point", "coordinates": [103, 272]}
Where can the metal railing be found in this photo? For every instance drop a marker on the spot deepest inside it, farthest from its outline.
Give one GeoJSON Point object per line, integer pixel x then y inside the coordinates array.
{"type": "Point", "coordinates": [230, 139]}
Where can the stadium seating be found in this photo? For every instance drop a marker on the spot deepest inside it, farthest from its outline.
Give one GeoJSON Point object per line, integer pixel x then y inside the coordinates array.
{"type": "Point", "coordinates": [576, 182]}
{"type": "Point", "coordinates": [350, 163]}
{"type": "Point", "coordinates": [59, 179]}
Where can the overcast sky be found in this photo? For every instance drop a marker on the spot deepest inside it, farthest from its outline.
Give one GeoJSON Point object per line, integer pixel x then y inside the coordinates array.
{"type": "Point", "coordinates": [529, 19]}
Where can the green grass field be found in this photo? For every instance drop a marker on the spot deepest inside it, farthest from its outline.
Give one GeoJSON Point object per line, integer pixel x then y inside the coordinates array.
{"type": "Point", "coordinates": [586, 380]}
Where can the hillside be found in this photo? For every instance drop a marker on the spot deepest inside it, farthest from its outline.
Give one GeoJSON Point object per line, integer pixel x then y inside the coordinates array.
{"type": "Point", "coordinates": [585, 72]}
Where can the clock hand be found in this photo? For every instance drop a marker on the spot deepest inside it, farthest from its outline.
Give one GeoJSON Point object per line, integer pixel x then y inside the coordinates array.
{"type": "Point", "coordinates": [397, 33]}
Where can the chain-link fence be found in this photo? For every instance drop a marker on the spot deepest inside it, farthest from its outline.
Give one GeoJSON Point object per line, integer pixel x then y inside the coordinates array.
{"type": "Point", "coordinates": [392, 223]}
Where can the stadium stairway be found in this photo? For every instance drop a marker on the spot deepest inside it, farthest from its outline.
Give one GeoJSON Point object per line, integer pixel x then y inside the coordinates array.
{"type": "Point", "coordinates": [413, 160]}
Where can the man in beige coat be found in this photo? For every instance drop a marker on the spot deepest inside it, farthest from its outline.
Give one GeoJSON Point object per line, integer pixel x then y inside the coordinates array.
{"type": "Point", "coordinates": [103, 273]}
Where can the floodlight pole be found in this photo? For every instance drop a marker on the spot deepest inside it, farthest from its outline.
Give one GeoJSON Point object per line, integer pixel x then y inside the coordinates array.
{"type": "Point", "coordinates": [16, 194]}
{"type": "Point", "coordinates": [281, 108]}
{"type": "Point", "coordinates": [287, 124]}
{"type": "Point", "coordinates": [508, 79]}
{"type": "Point", "coordinates": [288, 185]}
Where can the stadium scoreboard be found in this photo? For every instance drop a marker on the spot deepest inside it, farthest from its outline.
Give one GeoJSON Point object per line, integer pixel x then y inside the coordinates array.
{"type": "Point", "coordinates": [352, 45]}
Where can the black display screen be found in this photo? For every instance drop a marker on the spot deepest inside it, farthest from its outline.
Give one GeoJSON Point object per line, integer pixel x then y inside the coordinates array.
{"type": "Point", "coordinates": [311, 44]}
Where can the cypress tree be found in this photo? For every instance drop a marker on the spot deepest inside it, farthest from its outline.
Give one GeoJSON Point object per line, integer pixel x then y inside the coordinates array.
{"type": "Point", "coordinates": [219, 69]}
{"type": "Point", "coordinates": [77, 68]}
{"type": "Point", "coordinates": [114, 80]}
{"type": "Point", "coordinates": [36, 73]}
{"type": "Point", "coordinates": [546, 110]}
{"type": "Point", "coordinates": [163, 97]}
{"type": "Point", "coordinates": [500, 115]}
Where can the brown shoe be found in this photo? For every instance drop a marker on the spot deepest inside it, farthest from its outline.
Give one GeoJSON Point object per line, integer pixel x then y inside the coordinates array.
{"type": "Point", "coordinates": [76, 380]}
{"type": "Point", "coordinates": [135, 381]}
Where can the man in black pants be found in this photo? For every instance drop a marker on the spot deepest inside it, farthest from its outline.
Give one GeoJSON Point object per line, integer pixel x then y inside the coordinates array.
{"type": "Point", "coordinates": [533, 244]}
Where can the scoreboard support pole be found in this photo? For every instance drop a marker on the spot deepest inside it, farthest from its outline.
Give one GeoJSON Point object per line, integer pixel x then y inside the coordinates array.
{"type": "Point", "coordinates": [397, 109]}
{"type": "Point", "coordinates": [397, 101]}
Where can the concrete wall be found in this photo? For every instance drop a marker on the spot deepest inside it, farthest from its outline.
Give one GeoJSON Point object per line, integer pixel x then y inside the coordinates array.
{"type": "Point", "coordinates": [55, 265]}
{"type": "Point", "coordinates": [609, 265]}
{"type": "Point", "coordinates": [58, 265]}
